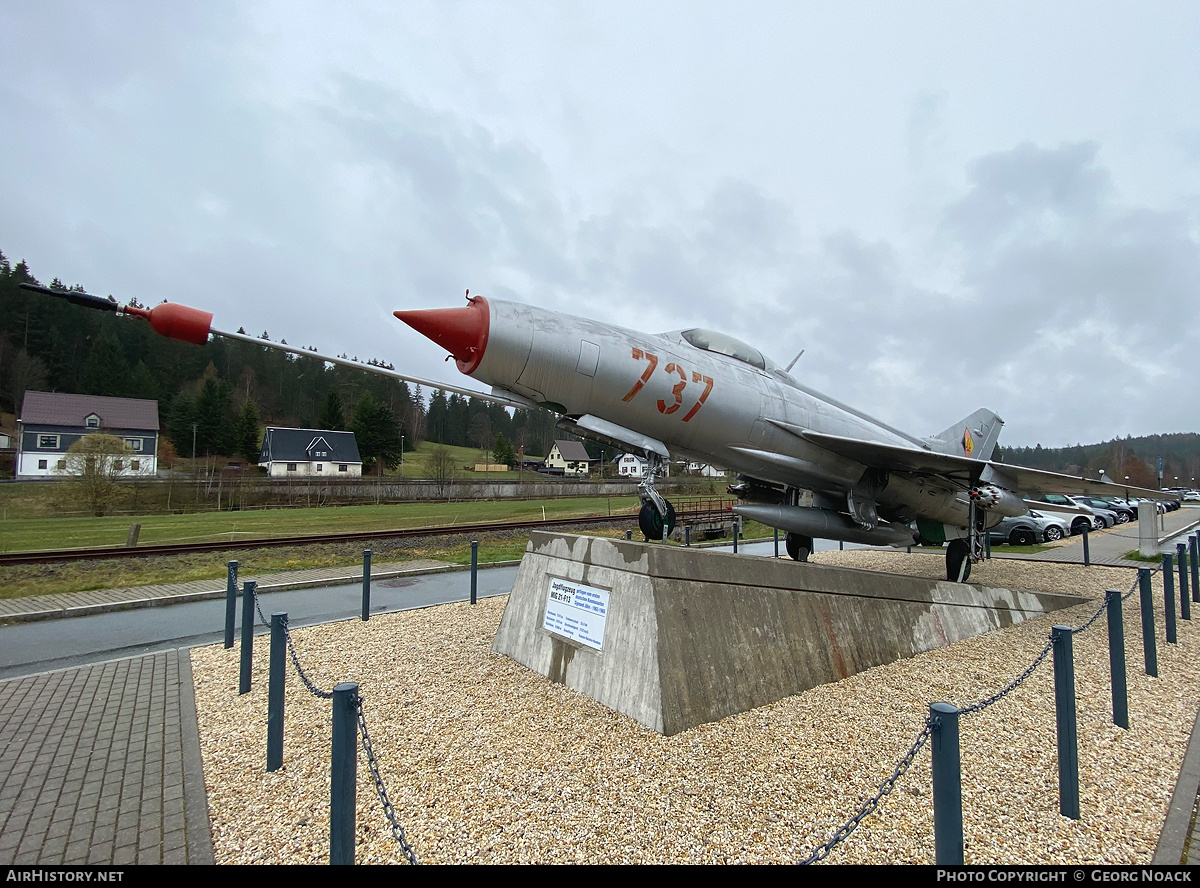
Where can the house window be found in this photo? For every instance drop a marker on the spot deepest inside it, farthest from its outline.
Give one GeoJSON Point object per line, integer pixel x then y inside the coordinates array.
{"type": "Point", "coordinates": [48, 442]}
{"type": "Point", "coordinates": [118, 464]}
{"type": "Point", "coordinates": [135, 464]}
{"type": "Point", "coordinates": [135, 444]}
{"type": "Point", "coordinates": [291, 467]}
{"type": "Point", "coordinates": [320, 467]}
{"type": "Point", "coordinates": [41, 464]}
{"type": "Point", "coordinates": [343, 467]}
{"type": "Point", "coordinates": [62, 465]}
{"type": "Point", "coordinates": [92, 422]}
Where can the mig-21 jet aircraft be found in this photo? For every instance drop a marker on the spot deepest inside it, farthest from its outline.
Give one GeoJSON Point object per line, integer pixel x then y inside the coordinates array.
{"type": "Point", "coordinates": [705, 396]}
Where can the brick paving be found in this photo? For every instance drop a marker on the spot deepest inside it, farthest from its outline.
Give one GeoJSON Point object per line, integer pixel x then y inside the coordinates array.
{"type": "Point", "coordinates": [101, 765]}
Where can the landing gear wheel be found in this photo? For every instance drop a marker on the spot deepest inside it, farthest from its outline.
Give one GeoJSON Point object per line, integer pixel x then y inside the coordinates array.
{"type": "Point", "coordinates": [957, 559]}
{"type": "Point", "coordinates": [798, 547]}
{"type": "Point", "coordinates": [651, 523]}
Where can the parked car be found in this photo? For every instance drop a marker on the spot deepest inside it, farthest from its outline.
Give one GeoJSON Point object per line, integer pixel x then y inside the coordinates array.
{"type": "Point", "coordinates": [1124, 514]}
{"type": "Point", "coordinates": [1027, 530]}
{"type": "Point", "coordinates": [1079, 517]}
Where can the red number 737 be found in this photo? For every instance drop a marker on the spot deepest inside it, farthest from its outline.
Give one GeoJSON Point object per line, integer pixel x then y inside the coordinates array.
{"type": "Point", "coordinates": [677, 390]}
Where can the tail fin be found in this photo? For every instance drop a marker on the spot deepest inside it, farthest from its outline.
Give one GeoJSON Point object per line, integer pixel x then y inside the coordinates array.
{"type": "Point", "coordinates": [974, 437]}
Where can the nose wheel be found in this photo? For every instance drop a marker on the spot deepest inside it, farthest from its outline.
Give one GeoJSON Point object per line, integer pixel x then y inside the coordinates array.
{"type": "Point", "coordinates": [651, 522]}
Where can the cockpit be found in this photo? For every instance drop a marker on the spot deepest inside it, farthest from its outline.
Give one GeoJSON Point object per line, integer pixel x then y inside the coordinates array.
{"type": "Point", "coordinates": [722, 344]}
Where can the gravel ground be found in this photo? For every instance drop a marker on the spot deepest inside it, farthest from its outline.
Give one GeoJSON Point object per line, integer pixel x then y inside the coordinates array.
{"type": "Point", "coordinates": [487, 762]}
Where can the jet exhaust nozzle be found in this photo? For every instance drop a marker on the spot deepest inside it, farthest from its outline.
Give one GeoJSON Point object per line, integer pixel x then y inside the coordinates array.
{"type": "Point", "coordinates": [826, 524]}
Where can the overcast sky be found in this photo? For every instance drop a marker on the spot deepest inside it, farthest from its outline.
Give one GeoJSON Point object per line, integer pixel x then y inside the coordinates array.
{"type": "Point", "coordinates": [947, 205]}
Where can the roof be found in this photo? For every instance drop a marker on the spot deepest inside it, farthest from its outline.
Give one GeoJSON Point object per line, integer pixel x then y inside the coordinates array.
{"type": "Point", "coordinates": [572, 451]}
{"type": "Point", "coordinates": [60, 409]}
{"type": "Point", "coordinates": [294, 445]}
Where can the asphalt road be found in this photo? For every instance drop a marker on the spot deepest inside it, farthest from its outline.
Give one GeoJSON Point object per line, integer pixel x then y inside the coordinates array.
{"type": "Point", "coordinates": [41, 646]}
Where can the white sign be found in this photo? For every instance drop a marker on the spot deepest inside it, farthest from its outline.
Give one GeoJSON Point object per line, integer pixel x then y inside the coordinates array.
{"type": "Point", "coordinates": [576, 611]}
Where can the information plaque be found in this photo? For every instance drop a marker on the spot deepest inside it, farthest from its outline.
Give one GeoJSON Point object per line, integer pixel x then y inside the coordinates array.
{"type": "Point", "coordinates": [576, 611]}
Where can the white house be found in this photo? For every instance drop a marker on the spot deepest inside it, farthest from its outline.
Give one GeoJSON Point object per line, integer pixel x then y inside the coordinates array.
{"type": "Point", "coordinates": [567, 458]}
{"type": "Point", "coordinates": [630, 466]}
{"type": "Point", "coordinates": [318, 453]}
{"type": "Point", "coordinates": [52, 421]}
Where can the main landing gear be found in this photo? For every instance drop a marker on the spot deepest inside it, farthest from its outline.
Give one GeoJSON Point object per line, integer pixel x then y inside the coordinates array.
{"type": "Point", "coordinates": [799, 547]}
{"type": "Point", "coordinates": [958, 561]}
{"type": "Point", "coordinates": [657, 518]}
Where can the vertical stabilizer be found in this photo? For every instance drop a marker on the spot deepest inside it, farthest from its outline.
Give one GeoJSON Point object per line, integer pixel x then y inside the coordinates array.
{"type": "Point", "coordinates": [974, 437]}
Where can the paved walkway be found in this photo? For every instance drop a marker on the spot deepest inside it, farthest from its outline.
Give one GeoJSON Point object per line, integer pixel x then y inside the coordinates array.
{"type": "Point", "coordinates": [101, 764]}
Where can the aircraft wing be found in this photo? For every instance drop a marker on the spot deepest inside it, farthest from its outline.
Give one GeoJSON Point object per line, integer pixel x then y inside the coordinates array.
{"type": "Point", "coordinates": [1031, 482]}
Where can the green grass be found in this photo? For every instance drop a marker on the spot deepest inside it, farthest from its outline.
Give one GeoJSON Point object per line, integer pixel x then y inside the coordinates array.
{"type": "Point", "coordinates": [40, 534]}
{"type": "Point", "coordinates": [1135, 555]}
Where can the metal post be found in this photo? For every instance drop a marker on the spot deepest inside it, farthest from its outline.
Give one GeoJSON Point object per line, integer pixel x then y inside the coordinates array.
{"type": "Point", "coordinates": [247, 649]}
{"type": "Point", "coordinates": [1116, 659]}
{"type": "Point", "coordinates": [1149, 645]}
{"type": "Point", "coordinates": [629, 535]}
{"type": "Point", "coordinates": [1064, 708]}
{"type": "Point", "coordinates": [1185, 600]}
{"type": "Point", "coordinates": [736, 528]}
{"type": "Point", "coordinates": [343, 774]}
{"type": "Point", "coordinates": [1087, 553]}
{"type": "Point", "coordinates": [842, 545]}
{"type": "Point", "coordinates": [1168, 575]}
{"type": "Point", "coordinates": [687, 535]}
{"type": "Point", "coordinates": [1195, 552]}
{"type": "Point", "coordinates": [230, 602]}
{"type": "Point", "coordinates": [366, 598]}
{"type": "Point", "coordinates": [474, 570]}
{"type": "Point", "coordinates": [947, 785]}
{"type": "Point", "coordinates": [776, 529]}
{"type": "Point", "coordinates": [276, 681]}
{"type": "Point", "coordinates": [987, 546]}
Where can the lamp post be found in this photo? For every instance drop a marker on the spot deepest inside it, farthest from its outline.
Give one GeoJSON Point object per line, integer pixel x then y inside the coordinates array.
{"type": "Point", "coordinates": [401, 456]}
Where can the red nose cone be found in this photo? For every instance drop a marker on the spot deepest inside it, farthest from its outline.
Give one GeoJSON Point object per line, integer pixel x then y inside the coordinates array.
{"type": "Point", "coordinates": [461, 331]}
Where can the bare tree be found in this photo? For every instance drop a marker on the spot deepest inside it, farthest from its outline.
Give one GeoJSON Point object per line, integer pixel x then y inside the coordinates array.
{"type": "Point", "coordinates": [95, 469]}
{"type": "Point", "coordinates": [441, 469]}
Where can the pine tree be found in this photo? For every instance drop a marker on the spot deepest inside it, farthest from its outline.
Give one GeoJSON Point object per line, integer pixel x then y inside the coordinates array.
{"type": "Point", "coordinates": [377, 433]}
{"type": "Point", "coordinates": [333, 414]}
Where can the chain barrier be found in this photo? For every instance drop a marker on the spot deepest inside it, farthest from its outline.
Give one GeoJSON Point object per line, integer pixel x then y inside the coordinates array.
{"type": "Point", "coordinates": [372, 763]}
{"type": "Point", "coordinates": [287, 637]}
{"type": "Point", "coordinates": [868, 807]}
{"type": "Point", "coordinates": [380, 790]}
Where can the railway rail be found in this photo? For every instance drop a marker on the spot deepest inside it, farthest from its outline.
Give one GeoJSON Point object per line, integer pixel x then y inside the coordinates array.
{"type": "Point", "coordinates": [683, 517]}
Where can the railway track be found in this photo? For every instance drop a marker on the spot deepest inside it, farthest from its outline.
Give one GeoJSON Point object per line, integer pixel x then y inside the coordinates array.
{"type": "Point", "coordinates": [147, 551]}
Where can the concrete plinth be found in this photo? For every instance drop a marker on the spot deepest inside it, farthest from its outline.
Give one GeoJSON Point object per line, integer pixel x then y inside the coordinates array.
{"type": "Point", "coordinates": [691, 636]}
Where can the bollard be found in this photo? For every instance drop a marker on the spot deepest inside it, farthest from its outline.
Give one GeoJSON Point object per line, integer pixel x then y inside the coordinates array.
{"type": "Point", "coordinates": [842, 545]}
{"type": "Point", "coordinates": [366, 601]}
{"type": "Point", "coordinates": [247, 649]}
{"type": "Point", "coordinates": [776, 529]}
{"type": "Point", "coordinates": [1116, 659]}
{"type": "Point", "coordinates": [1185, 600]}
{"type": "Point", "coordinates": [230, 602]}
{"type": "Point", "coordinates": [987, 546]}
{"type": "Point", "coordinates": [736, 528]}
{"type": "Point", "coordinates": [1087, 555]}
{"type": "Point", "coordinates": [276, 680]}
{"type": "Point", "coordinates": [1168, 575]}
{"type": "Point", "coordinates": [474, 570]}
{"type": "Point", "coordinates": [687, 535]}
{"type": "Point", "coordinates": [1064, 709]}
{"type": "Point", "coordinates": [947, 785]}
{"type": "Point", "coordinates": [629, 535]}
{"type": "Point", "coordinates": [1149, 645]}
{"type": "Point", "coordinates": [1193, 544]}
{"type": "Point", "coordinates": [343, 774]}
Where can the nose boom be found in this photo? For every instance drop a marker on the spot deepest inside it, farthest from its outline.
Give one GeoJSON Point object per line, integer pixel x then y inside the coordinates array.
{"type": "Point", "coordinates": [461, 331]}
